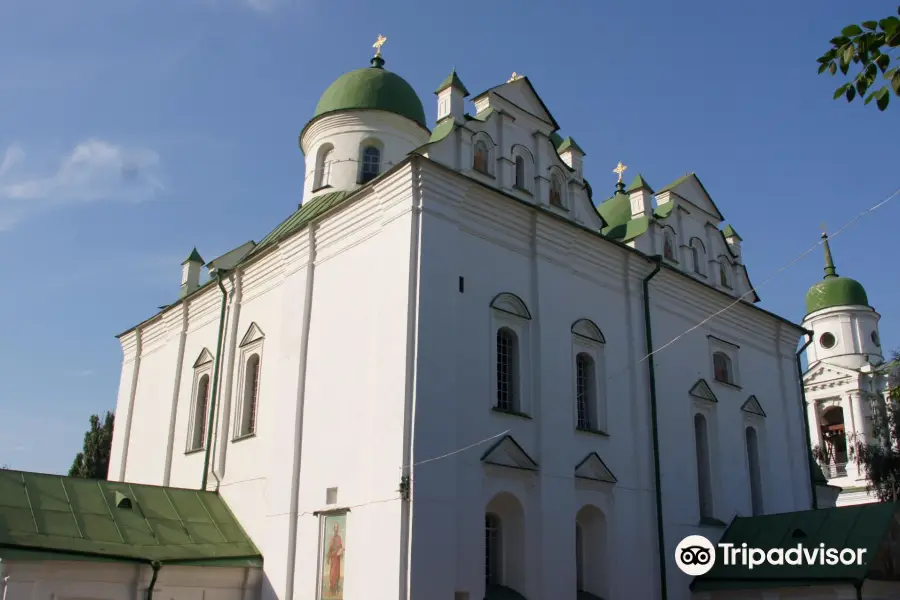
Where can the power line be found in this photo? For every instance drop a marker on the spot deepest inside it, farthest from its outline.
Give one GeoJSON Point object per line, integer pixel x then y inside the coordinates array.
{"type": "Point", "coordinates": [428, 460]}
{"type": "Point", "coordinates": [753, 290]}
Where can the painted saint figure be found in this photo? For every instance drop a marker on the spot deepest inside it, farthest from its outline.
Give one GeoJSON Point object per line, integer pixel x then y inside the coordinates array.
{"type": "Point", "coordinates": [334, 557]}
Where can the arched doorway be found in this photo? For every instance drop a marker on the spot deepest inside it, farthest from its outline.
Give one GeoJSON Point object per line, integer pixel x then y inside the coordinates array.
{"type": "Point", "coordinates": [834, 442]}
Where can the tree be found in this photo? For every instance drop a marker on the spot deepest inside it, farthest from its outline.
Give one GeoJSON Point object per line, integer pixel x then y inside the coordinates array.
{"type": "Point", "coordinates": [879, 457]}
{"type": "Point", "coordinates": [870, 46]}
{"type": "Point", "coordinates": [93, 461]}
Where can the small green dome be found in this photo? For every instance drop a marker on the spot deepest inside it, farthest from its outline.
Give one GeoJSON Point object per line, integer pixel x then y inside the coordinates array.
{"type": "Point", "coordinates": [372, 88]}
{"type": "Point", "coordinates": [834, 290]}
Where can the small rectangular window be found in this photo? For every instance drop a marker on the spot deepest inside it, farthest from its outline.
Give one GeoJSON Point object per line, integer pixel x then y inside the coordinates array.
{"type": "Point", "coordinates": [331, 495]}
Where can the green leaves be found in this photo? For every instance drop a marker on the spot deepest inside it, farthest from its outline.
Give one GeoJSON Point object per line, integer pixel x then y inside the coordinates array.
{"type": "Point", "coordinates": [868, 46]}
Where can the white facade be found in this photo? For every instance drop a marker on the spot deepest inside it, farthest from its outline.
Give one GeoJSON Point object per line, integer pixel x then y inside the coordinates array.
{"type": "Point", "coordinates": [365, 347]}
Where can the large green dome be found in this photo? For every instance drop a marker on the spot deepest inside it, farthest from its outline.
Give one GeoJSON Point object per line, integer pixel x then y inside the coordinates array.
{"type": "Point", "coordinates": [834, 290]}
{"type": "Point", "coordinates": [372, 88]}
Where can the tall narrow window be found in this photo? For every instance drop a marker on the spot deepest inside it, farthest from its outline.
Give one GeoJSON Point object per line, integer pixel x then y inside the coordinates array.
{"type": "Point", "coordinates": [756, 498]}
{"type": "Point", "coordinates": [493, 541]}
{"type": "Point", "coordinates": [507, 370]}
{"type": "Point", "coordinates": [555, 190]}
{"type": "Point", "coordinates": [585, 385]}
{"type": "Point", "coordinates": [723, 272]}
{"type": "Point", "coordinates": [579, 558]}
{"type": "Point", "coordinates": [481, 157]}
{"type": "Point", "coordinates": [704, 485]}
{"type": "Point", "coordinates": [322, 176]}
{"type": "Point", "coordinates": [201, 406]}
{"type": "Point", "coordinates": [251, 396]}
{"type": "Point", "coordinates": [520, 172]}
{"type": "Point", "coordinates": [722, 368]}
{"type": "Point", "coordinates": [668, 245]}
{"type": "Point", "coordinates": [371, 164]}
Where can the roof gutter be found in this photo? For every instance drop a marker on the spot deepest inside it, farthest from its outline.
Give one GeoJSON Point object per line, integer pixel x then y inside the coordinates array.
{"type": "Point", "coordinates": [211, 409]}
{"type": "Point", "coordinates": [805, 416]}
{"type": "Point", "coordinates": [156, 566]}
{"type": "Point", "coordinates": [651, 368]}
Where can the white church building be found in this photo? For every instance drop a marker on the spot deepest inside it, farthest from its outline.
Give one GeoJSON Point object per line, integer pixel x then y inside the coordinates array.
{"type": "Point", "coordinates": [847, 380]}
{"type": "Point", "coordinates": [432, 382]}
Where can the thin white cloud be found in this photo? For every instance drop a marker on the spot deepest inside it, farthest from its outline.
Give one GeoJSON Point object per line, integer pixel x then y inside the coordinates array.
{"type": "Point", "coordinates": [94, 171]}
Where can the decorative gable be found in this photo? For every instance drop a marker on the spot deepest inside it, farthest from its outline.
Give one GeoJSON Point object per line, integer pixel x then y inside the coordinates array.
{"type": "Point", "coordinates": [701, 391]}
{"type": "Point", "coordinates": [691, 189]}
{"type": "Point", "coordinates": [593, 468]}
{"type": "Point", "coordinates": [519, 91]}
{"type": "Point", "coordinates": [508, 453]}
{"type": "Point", "coordinates": [205, 357]}
{"type": "Point", "coordinates": [752, 407]}
{"type": "Point", "coordinates": [254, 333]}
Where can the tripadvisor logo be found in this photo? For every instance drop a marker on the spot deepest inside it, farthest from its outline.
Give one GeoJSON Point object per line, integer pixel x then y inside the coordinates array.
{"type": "Point", "coordinates": [695, 555]}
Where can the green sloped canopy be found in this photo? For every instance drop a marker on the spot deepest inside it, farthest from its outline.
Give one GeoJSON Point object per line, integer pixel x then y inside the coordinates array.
{"type": "Point", "coordinates": [309, 210]}
{"type": "Point", "coordinates": [863, 526]}
{"type": "Point", "coordinates": [50, 516]}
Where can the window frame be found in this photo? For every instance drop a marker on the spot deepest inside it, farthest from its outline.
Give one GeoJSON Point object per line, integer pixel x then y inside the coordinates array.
{"type": "Point", "coordinates": [508, 311]}
{"type": "Point", "coordinates": [698, 467]}
{"type": "Point", "coordinates": [670, 240]}
{"type": "Point", "coordinates": [726, 271]}
{"type": "Point", "coordinates": [757, 497]}
{"type": "Point", "coordinates": [322, 174]}
{"type": "Point", "coordinates": [521, 152]}
{"type": "Point", "coordinates": [557, 175]}
{"type": "Point", "coordinates": [201, 370]}
{"type": "Point", "coordinates": [588, 339]}
{"type": "Point", "coordinates": [730, 351]}
{"type": "Point", "coordinates": [698, 256]}
{"type": "Point", "coordinates": [365, 145]}
{"type": "Point", "coordinates": [251, 344]}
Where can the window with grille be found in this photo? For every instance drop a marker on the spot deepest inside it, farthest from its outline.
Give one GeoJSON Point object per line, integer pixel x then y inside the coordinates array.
{"type": "Point", "coordinates": [584, 390]}
{"type": "Point", "coordinates": [371, 164]}
{"type": "Point", "coordinates": [492, 550]}
{"type": "Point", "coordinates": [507, 370]}
{"type": "Point", "coordinates": [201, 407]}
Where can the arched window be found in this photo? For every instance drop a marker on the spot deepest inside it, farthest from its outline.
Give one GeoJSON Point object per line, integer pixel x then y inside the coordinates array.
{"type": "Point", "coordinates": [481, 157]}
{"type": "Point", "coordinates": [591, 552]}
{"type": "Point", "coordinates": [698, 253]}
{"type": "Point", "coordinates": [756, 498]}
{"type": "Point", "coordinates": [724, 280]}
{"type": "Point", "coordinates": [251, 396]}
{"type": "Point", "coordinates": [371, 164]}
{"type": "Point", "coordinates": [201, 406]}
{"type": "Point", "coordinates": [493, 550]}
{"type": "Point", "coordinates": [722, 368]}
{"type": "Point", "coordinates": [704, 485]}
{"type": "Point", "coordinates": [520, 172]}
{"type": "Point", "coordinates": [507, 370]}
{"type": "Point", "coordinates": [556, 189]}
{"type": "Point", "coordinates": [585, 386]}
{"type": "Point", "coordinates": [322, 176]}
{"type": "Point", "coordinates": [668, 244]}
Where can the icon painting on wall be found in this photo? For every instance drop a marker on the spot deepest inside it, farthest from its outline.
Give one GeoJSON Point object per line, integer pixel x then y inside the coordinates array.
{"type": "Point", "coordinates": [332, 560]}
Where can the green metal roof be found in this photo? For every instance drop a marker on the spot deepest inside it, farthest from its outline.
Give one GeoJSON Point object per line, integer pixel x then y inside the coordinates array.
{"type": "Point", "coordinates": [834, 290]}
{"type": "Point", "coordinates": [568, 143]}
{"type": "Point", "coordinates": [442, 130]}
{"type": "Point", "coordinates": [730, 232]}
{"type": "Point", "coordinates": [194, 257]}
{"type": "Point", "coordinates": [638, 184]}
{"type": "Point", "coordinates": [52, 516]}
{"type": "Point", "coordinates": [863, 526]}
{"type": "Point", "coordinates": [372, 88]}
{"type": "Point", "coordinates": [309, 210]}
{"type": "Point", "coordinates": [556, 140]}
{"type": "Point", "coordinates": [452, 80]}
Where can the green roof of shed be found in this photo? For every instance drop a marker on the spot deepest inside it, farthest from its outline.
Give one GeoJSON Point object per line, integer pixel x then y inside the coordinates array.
{"type": "Point", "coordinates": [55, 517]}
{"type": "Point", "coordinates": [863, 526]}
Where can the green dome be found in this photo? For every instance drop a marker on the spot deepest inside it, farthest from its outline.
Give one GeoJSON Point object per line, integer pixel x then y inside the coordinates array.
{"type": "Point", "coordinates": [834, 290]}
{"type": "Point", "coordinates": [372, 88]}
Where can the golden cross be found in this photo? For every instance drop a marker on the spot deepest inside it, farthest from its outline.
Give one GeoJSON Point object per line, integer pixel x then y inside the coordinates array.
{"type": "Point", "coordinates": [513, 77]}
{"type": "Point", "coordinates": [378, 44]}
{"type": "Point", "coordinates": [620, 168]}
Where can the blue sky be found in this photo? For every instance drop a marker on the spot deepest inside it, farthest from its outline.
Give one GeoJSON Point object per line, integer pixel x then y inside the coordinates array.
{"type": "Point", "coordinates": [135, 130]}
